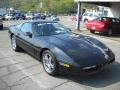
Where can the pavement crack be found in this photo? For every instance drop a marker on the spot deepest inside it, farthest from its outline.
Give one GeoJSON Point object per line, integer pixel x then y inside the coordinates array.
{"type": "Point", "coordinates": [10, 72]}
{"type": "Point", "coordinates": [4, 83]}
{"type": "Point", "coordinates": [59, 85]}
{"type": "Point", "coordinates": [14, 85]}
{"type": "Point", "coordinates": [10, 56]}
{"type": "Point", "coordinates": [16, 63]}
{"type": "Point", "coordinates": [26, 68]}
{"type": "Point", "coordinates": [28, 76]}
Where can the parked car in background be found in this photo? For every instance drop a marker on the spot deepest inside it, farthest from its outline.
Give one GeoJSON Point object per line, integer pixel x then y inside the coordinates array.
{"type": "Point", "coordinates": [29, 16]}
{"type": "Point", "coordinates": [9, 17]}
{"type": "Point", "coordinates": [49, 15]}
{"type": "Point", "coordinates": [89, 17]}
{"type": "Point", "coordinates": [107, 25]}
{"type": "Point", "coordinates": [2, 17]}
{"type": "Point", "coordinates": [74, 17]}
{"type": "Point", "coordinates": [43, 17]}
{"type": "Point", "coordinates": [54, 18]}
{"type": "Point", "coordinates": [19, 16]}
{"type": "Point", "coordinates": [60, 49]}
{"type": "Point", "coordinates": [37, 16]}
{"type": "Point", "coordinates": [1, 24]}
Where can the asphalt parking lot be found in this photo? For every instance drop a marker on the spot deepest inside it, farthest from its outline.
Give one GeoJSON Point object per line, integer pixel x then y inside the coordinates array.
{"type": "Point", "coordinates": [20, 71]}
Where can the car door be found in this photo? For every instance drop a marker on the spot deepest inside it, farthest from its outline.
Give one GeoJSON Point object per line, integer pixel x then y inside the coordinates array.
{"type": "Point", "coordinates": [24, 40]}
{"type": "Point", "coordinates": [40, 31]}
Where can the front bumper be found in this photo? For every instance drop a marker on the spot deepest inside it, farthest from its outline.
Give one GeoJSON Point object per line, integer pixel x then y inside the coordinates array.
{"type": "Point", "coordinates": [85, 70]}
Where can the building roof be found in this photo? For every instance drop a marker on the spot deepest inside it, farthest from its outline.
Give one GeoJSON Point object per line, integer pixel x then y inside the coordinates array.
{"type": "Point", "coordinates": [106, 3]}
{"type": "Point", "coordinates": [97, 0]}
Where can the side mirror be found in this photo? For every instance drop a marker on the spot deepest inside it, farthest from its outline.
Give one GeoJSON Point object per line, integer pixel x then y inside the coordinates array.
{"type": "Point", "coordinates": [29, 34]}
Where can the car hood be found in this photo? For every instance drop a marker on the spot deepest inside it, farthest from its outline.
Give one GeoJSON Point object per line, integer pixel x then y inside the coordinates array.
{"type": "Point", "coordinates": [82, 49]}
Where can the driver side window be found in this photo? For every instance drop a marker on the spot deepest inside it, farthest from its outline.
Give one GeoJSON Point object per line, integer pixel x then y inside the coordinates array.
{"type": "Point", "coordinates": [27, 27]}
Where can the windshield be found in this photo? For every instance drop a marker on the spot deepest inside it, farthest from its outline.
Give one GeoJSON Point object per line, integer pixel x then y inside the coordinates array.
{"type": "Point", "coordinates": [48, 29]}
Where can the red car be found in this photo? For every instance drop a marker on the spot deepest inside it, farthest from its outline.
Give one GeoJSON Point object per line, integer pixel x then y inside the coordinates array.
{"type": "Point", "coordinates": [105, 25]}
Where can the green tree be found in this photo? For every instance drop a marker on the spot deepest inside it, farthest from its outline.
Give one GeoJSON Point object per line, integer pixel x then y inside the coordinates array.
{"type": "Point", "coordinates": [54, 6]}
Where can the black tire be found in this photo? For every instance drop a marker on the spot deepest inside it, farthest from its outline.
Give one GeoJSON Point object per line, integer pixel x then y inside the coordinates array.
{"type": "Point", "coordinates": [54, 69]}
{"type": "Point", "coordinates": [14, 45]}
{"type": "Point", "coordinates": [109, 32]}
{"type": "Point", "coordinates": [92, 31]}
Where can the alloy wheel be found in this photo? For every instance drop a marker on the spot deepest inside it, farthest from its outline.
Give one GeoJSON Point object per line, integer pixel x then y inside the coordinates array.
{"type": "Point", "coordinates": [48, 63]}
{"type": "Point", "coordinates": [13, 42]}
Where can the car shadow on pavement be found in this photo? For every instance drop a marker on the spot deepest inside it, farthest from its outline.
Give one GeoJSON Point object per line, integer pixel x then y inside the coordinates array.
{"type": "Point", "coordinates": [101, 79]}
{"type": "Point", "coordinates": [115, 35]}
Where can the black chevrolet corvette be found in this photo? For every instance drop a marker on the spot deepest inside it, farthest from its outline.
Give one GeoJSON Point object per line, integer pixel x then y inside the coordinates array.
{"type": "Point", "coordinates": [58, 48]}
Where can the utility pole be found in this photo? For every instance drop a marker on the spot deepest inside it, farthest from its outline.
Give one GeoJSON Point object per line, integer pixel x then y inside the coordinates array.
{"type": "Point", "coordinates": [78, 16]}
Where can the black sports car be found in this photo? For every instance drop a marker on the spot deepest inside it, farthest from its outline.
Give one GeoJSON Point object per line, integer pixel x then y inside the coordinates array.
{"type": "Point", "coordinates": [58, 48]}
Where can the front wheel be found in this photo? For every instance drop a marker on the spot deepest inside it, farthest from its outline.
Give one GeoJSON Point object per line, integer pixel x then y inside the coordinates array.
{"type": "Point", "coordinates": [15, 47]}
{"type": "Point", "coordinates": [49, 62]}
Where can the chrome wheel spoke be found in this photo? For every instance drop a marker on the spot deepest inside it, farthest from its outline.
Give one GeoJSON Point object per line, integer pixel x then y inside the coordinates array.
{"type": "Point", "coordinates": [13, 43]}
{"type": "Point", "coordinates": [48, 63]}
{"type": "Point", "coordinates": [51, 62]}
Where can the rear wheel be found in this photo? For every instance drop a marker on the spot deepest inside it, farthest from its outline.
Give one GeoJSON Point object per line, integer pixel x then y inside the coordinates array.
{"type": "Point", "coordinates": [15, 47]}
{"type": "Point", "coordinates": [49, 62]}
{"type": "Point", "coordinates": [92, 31]}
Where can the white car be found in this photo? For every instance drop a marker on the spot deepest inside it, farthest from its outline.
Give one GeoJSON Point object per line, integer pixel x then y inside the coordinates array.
{"type": "Point", "coordinates": [9, 17]}
{"type": "Point", "coordinates": [89, 17]}
{"type": "Point", "coordinates": [54, 18]}
{"type": "Point", "coordinates": [30, 16]}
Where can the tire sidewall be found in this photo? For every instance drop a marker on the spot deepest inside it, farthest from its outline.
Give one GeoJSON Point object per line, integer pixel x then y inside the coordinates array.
{"type": "Point", "coordinates": [12, 37]}
{"type": "Point", "coordinates": [54, 72]}
{"type": "Point", "coordinates": [17, 48]}
{"type": "Point", "coordinates": [92, 31]}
